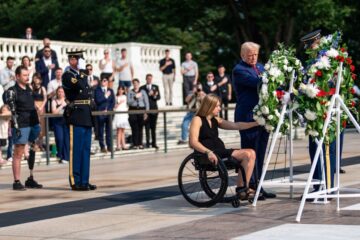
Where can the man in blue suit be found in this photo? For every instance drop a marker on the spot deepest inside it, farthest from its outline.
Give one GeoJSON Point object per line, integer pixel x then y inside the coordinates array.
{"type": "Point", "coordinates": [246, 78]}
{"type": "Point", "coordinates": [46, 66]}
{"type": "Point", "coordinates": [105, 101]}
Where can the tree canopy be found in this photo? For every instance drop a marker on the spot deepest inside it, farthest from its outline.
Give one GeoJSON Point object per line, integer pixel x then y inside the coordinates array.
{"type": "Point", "coordinates": [212, 30]}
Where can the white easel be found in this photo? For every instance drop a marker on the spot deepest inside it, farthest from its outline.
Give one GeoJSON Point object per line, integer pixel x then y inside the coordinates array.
{"type": "Point", "coordinates": [290, 181]}
{"type": "Point", "coordinates": [335, 104]}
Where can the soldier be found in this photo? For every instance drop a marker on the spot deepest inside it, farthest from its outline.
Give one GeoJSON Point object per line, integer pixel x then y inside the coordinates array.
{"type": "Point", "coordinates": [78, 116]}
{"type": "Point", "coordinates": [312, 41]}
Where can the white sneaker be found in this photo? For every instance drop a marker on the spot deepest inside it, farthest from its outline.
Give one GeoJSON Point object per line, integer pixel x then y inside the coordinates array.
{"type": "Point", "coordinates": [10, 159]}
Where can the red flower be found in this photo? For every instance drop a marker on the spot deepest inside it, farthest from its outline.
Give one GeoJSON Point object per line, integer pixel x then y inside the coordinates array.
{"type": "Point", "coordinates": [279, 94]}
{"type": "Point", "coordinates": [312, 80]}
{"type": "Point", "coordinates": [332, 91]}
{"type": "Point", "coordinates": [352, 68]}
{"type": "Point", "coordinates": [342, 49]}
{"type": "Point", "coordinates": [340, 58]}
{"type": "Point", "coordinates": [349, 61]}
{"type": "Point", "coordinates": [352, 90]}
{"type": "Point", "coordinates": [352, 103]}
{"type": "Point", "coordinates": [344, 123]}
{"type": "Point", "coordinates": [353, 76]}
{"type": "Point", "coordinates": [321, 93]}
{"type": "Point", "coordinates": [318, 73]}
{"type": "Point", "coordinates": [323, 102]}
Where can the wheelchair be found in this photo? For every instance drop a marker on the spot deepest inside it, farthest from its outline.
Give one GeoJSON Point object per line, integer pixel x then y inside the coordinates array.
{"type": "Point", "coordinates": [204, 184]}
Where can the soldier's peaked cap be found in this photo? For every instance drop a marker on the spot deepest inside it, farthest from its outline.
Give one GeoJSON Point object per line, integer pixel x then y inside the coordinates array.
{"type": "Point", "coordinates": [309, 38]}
{"type": "Point", "coordinates": [75, 54]}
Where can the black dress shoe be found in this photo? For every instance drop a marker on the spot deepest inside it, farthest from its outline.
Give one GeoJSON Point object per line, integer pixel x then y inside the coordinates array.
{"type": "Point", "coordinates": [79, 188]}
{"type": "Point", "coordinates": [342, 171]}
{"type": "Point", "coordinates": [92, 187]}
{"type": "Point", "coordinates": [268, 194]}
{"type": "Point", "coordinates": [156, 147]}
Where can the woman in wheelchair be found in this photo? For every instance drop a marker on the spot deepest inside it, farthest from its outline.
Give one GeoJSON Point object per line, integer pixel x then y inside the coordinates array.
{"type": "Point", "coordinates": [204, 138]}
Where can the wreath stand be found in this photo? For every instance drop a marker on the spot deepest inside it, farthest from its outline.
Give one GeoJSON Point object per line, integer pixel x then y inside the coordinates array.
{"type": "Point", "coordinates": [334, 108]}
{"type": "Point", "coordinates": [290, 181]}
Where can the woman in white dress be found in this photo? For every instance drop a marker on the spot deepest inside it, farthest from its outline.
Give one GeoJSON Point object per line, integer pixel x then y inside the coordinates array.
{"type": "Point", "coordinates": [121, 120]}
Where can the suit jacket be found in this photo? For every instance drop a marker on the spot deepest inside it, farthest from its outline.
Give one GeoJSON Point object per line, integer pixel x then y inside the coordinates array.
{"type": "Point", "coordinates": [103, 103]}
{"type": "Point", "coordinates": [152, 99]}
{"type": "Point", "coordinates": [245, 82]}
{"type": "Point", "coordinates": [40, 54]}
{"type": "Point", "coordinates": [33, 37]}
{"type": "Point", "coordinates": [41, 68]}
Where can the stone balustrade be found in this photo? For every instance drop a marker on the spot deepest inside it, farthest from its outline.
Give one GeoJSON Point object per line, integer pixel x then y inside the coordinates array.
{"type": "Point", "coordinates": [144, 57]}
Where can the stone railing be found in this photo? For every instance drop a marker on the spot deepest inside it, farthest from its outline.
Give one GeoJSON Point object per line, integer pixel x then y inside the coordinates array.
{"type": "Point", "coordinates": [144, 57]}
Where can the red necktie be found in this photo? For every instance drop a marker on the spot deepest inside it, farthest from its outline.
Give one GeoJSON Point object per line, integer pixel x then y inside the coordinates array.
{"type": "Point", "coordinates": [256, 70]}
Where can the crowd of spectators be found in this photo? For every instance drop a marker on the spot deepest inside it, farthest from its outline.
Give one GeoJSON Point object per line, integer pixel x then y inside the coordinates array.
{"type": "Point", "coordinates": [45, 80]}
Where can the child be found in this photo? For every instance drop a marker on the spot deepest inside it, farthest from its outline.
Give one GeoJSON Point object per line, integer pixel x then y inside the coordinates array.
{"type": "Point", "coordinates": [121, 120]}
{"type": "Point", "coordinates": [5, 116]}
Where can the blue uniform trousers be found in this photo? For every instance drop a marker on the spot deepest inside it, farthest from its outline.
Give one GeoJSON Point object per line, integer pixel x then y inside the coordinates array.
{"type": "Point", "coordinates": [329, 154]}
{"type": "Point", "coordinates": [79, 163]}
{"type": "Point", "coordinates": [61, 131]}
{"type": "Point", "coordinates": [256, 140]}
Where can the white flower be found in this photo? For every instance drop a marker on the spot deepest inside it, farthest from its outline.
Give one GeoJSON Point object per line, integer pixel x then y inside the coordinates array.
{"type": "Point", "coordinates": [289, 69]}
{"type": "Point", "coordinates": [261, 121]}
{"type": "Point", "coordinates": [313, 133]}
{"type": "Point", "coordinates": [265, 79]}
{"type": "Point", "coordinates": [277, 113]}
{"type": "Point", "coordinates": [264, 89]}
{"type": "Point", "coordinates": [286, 61]}
{"type": "Point", "coordinates": [258, 113]}
{"type": "Point", "coordinates": [310, 115]}
{"type": "Point", "coordinates": [332, 53]}
{"type": "Point", "coordinates": [255, 117]}
{"type": "Point", "coordinates": [285, 68]}
{"type": "Point", "coordinates": [311, 91]}
{"type": "Point", "coordinates": [270, 117]}
{"type": "Point", "coordinates": [295, 105]}
{"type": "Point", "coordinates": [297, 62]}
{"type": "Point", "coordinates": [269, 128]}
{"type": "Point", "coordinates": [264, 110]}
{"type": "Point", "coordinates": [267, 66]}
{"type": "Point", "coordinates": [323, 63]}
{"type": "Point", "coordinates": [275, 72]}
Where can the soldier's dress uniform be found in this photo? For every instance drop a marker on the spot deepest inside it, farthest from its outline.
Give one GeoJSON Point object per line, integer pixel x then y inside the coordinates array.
{"type": "Point", "coordinates": [78, 117]}
{"type": "Point", "coordinates": [329, 150]}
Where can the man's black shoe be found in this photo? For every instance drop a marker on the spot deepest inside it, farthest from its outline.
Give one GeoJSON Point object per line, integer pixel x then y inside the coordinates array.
{"type": "Point", "coordinates": [342, 171]}
{"type": "Point", "coordinates": [79, 188]}
{"type": "Point", "coordinates": [92, 187]}
{"type": "Point", "coordinates": [31, 183]}
{"type": "Point", "coordinates": [156, 147]}
{"type": "Point", "coordinates": [268, 194]}
{"type": "Point", "coordinates": [17, 186]}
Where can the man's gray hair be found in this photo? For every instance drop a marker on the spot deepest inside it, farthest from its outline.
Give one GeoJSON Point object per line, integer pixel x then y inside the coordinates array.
{"type": "Point", "coordinates": [248, 46]}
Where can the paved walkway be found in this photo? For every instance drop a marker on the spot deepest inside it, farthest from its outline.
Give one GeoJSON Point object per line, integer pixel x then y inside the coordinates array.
{"type": "Point", "coordinates": [138, 198]}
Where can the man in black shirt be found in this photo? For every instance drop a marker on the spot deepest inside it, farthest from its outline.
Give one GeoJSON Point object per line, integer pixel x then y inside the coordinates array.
{"type": "Point", "coordinates": [25, 125]}
{"type": "Point", "coordinates": [167, 67]}
{"type": "Point", "coordinates": [223, 82]}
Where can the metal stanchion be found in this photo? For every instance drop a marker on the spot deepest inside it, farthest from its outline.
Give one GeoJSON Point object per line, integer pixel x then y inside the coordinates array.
{"type": "Point", "coordinates": [111, 135]}
{"type": "Point", "coordinates": [165, 134]}
{"type": "Point", "coordinates": [47, 140]}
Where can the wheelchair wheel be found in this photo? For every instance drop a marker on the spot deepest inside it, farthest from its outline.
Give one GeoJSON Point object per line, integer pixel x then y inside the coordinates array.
{"type": "Point", "coordinates": [202, 185]}
{"type": "Point", "coordinates": [230, 195]}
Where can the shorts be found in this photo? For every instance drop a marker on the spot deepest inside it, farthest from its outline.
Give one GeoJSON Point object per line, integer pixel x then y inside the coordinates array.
{"type": "Point", "coordinates": [126, 84]}
{"type": "Point", "coordinates": [28, 134]}
{"type": "Point", "coordinates": [224, 153]}
{"type": "Point", "coordinates": [3, 142]}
